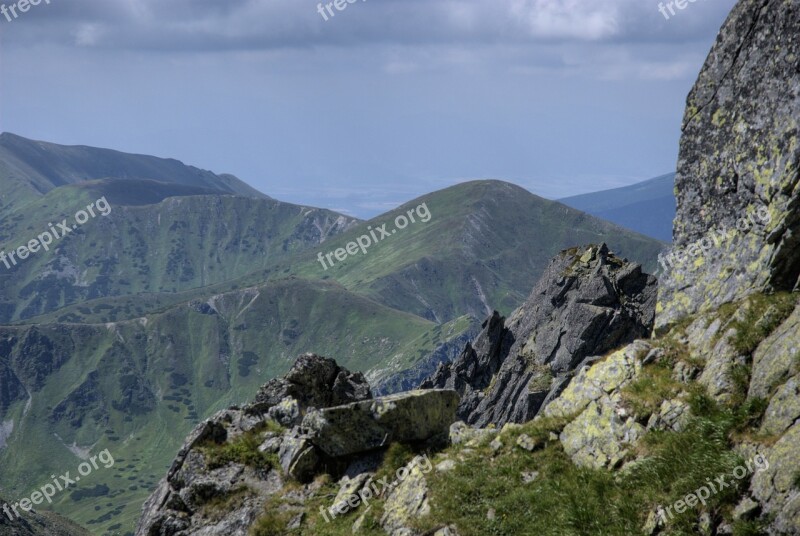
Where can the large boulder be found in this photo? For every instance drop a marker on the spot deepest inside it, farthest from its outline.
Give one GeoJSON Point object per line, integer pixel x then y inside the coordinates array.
{"type": "Point", "coordinates": [312, 382]}
{"type": "Point", "coordinates": [360, 427]}
{"type": "Point", "coordinates": [587, 303]}
{"type": "Point", "coordinates": [737, 229]}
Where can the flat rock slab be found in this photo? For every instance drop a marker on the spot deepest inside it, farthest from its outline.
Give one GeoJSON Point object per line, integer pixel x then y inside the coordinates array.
{"type": "Point", "coordinates": [411, 417]}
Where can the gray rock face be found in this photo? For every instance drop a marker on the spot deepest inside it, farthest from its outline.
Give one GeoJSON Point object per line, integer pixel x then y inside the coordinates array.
{"type": "Point", "coordinates": [360, 427]}
{"type": "Point", "coordinates": [737, 180]}
{"type": "Point", "coordinates": [313, 381]}
{"type": "Point", "coordinates": [587, 303]}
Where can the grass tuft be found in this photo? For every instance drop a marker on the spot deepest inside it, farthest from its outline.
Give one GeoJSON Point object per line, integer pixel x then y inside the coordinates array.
{"type": "Point", "coordinates": [764, 313]}
{"type": "Point", "coordinates": [242, 449]}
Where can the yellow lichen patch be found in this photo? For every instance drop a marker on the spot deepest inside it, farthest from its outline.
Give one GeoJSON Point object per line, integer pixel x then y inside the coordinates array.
{"type": "Point", "coordinates": [718, 119]}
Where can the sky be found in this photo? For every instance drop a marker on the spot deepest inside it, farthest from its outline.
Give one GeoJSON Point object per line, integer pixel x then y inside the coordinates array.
{"type": "Point", "coordinates": [382, 102]}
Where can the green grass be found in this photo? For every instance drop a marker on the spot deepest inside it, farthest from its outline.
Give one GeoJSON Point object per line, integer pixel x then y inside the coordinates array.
{"type": "Point", "coordinates": [242, 449]}
{"type": "Point", "coordinates": [646, 393]}
{"type": "Point", "coordinates": [219, 506]}
{"type": "Point", "coordinates": [275, 517]}
{"type": "Point", "coordinates": [764, 313]}
{"type": "Point", "coordinates": [567, 499]}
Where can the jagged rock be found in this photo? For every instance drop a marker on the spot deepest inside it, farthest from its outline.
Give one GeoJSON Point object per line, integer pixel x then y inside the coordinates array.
{"type": "Point", "coordinates": [784, 408]}
{"type": "Point", "coordinates": [271, 444]}
{"type": "Point", "coordinates": [298, 457]}
{"type": "Point", "coordinates": [599, 437]}
{"type": "Point", "coordinates": [477, 364]}
{"type": "Point", "coordinates": [777, 357]}
{"type": "Point", "coordinates": [600, 434]}
{"type": "Point", "coordinates": [349, 488]}
{"type": "Point", "coordinates": [737, 166]}
{"type": "Point", "coordinates": [709, 340]}
{"type": "Point", "coordinates": [313, 381]}
{"type": "Point", "coordinates": [413, 417]}
{"type": "Point", "coordinates": [598, 381]}
{"type": "Point", "coordinates": [746, 509]}
{"type": "Point", "coordinates": [446, 352]}
{"type": "Point", "coordinates": [408, 501]}
{"type": "Point", "coordinates": [587, 303]}
{"type": "Point", "coordinates": [776, 488]}
{"type": "Point", "coordinates": [286, 412]}
{"type": "Point", "coordinates": [673, 415]}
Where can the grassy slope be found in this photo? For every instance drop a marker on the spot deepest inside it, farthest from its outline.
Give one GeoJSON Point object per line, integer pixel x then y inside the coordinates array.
{"type": "Point", "coordinates": [178, 244]}
{"type": "Point", "coordinates": [138, 387]}
{"type": "Point", "coordinates": [484, 248]}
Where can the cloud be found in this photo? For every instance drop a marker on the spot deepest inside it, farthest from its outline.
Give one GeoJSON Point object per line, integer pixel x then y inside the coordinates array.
{"type": "Point", "coordinates": [247, 25]}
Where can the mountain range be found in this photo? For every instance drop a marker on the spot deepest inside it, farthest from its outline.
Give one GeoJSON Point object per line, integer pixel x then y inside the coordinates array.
{"type": "Point", "coordinates": [195, 289]}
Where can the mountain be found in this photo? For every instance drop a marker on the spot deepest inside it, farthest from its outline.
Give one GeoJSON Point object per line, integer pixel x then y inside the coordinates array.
{"type": "Point", "coordinates": [176, 243]}
{"type": "Point", "coordinates": [622, 411]}
{"type": "Point", "coordinates": [647, 207]}
{"type": "Point", "coordinates": [460, 261]}
{"type": "Point", "coordinates": [30, 169]}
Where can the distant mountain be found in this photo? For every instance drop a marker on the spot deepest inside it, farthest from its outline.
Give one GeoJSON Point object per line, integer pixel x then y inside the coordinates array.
{"type": "Point", "coordinates": [485, 246]}
{"type": "Point", "coordinates": [647, 207]}
{"type": "Point", "coordinates": [30, 169]}
{"type": "Point", "coordinates": [157, 238]}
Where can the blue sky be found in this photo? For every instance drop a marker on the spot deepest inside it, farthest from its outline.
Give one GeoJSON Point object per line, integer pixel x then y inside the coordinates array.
{"type": "Point", "coordinates": [385, 101]}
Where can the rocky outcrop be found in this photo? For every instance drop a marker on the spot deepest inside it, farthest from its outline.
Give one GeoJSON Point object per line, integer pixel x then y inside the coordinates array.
{"type": "Point", "coordinates": [602, 430]}
{"type": "Point", "coordinates": [587, 303]}
{"type": "Point", "coordinates": [236, 461]}
{"type": "Point", "coordinates": [737, 229]}
{"type": "Point", "coordinates": [313, 381]}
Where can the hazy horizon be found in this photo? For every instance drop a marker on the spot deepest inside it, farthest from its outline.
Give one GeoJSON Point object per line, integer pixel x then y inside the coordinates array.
{"type": "Point", "coordinates": [382, 103]}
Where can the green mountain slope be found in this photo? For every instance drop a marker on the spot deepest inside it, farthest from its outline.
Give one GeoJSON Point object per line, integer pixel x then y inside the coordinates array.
{"type": "Point", "coordinates": [486, 244]}
{"type": "Point", "coordinates": [483, 248]}
{"type": "Point", "coordinates": [30, 169]}
{"type": "Point", "coordinates": [178, 243]}
{"type": "Point", "coordinates": [138, 387]}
